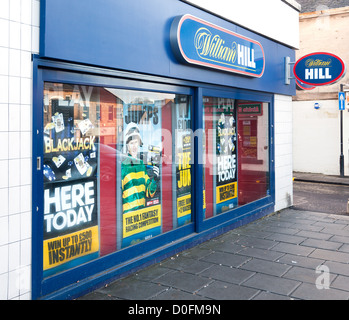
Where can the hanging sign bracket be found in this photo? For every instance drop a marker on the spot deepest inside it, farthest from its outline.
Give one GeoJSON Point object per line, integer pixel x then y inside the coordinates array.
{"type": "Point", "coordinates": [288, 63]}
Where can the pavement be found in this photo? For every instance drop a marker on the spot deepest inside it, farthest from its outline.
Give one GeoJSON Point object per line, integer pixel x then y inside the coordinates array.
{"type": "Point", "coordinates": [288, 255]}
{"type": "Point", "coordinates": [320, 178]}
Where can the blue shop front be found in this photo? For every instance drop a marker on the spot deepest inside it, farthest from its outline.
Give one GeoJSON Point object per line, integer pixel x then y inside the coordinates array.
{"type": "Point", "coordinates": [153, 130]}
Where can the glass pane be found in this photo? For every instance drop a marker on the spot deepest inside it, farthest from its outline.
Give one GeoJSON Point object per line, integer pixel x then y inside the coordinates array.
{"type": "Point", "coordinates": [236, 153]}
{"type": "Point", "coordinates": [116, 170]}
{"type": "Point", "coordinates": [71, 147]}
{"type": "Point", "coordinates": [183, 160]}
{"type": "Point", "coordinates": [221, 163]}
{"type": "Point", "coordinates": [253, 146]}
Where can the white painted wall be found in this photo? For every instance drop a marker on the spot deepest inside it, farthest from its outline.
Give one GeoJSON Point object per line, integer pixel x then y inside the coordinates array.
{"type": "Point", "coordinates": [283, 152]}
{"type": "Point", "coordinates": [19, 38]}
{"type": "Point", "coordinates": [273, 18]}
{"type": "Point", "coordinates": [316, 137]}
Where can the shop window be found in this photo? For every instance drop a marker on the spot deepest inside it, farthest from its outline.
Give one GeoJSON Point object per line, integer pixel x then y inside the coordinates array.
{"type": "Point", "coordinates": [236, 153]}
{"type": "Point", "coordinates": [116, 170]}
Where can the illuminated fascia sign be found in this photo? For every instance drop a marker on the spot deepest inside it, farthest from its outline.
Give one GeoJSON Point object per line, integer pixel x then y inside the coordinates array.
{"type": "Point", "coordinates": [319, 69]}
{"type": "Point", "coordinates": [199, 42]}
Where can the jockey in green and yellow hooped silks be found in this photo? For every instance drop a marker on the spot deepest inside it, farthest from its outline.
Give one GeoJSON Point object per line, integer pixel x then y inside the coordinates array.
{"type": "Point", "coordinates": [136, 184]}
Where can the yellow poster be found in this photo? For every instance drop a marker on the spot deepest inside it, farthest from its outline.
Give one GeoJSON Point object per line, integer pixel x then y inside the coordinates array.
{"type": "Point", "coordinates": [65, 248]}
{"type": "Point", "coordinates": [135, 222]}
{"type": "Point", "coordinates": [183, 206]}
{"type": "Point", "coordinates": [226, 192]}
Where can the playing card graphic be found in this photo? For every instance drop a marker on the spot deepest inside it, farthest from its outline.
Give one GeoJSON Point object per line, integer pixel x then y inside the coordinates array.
{"type": "Point", "coordinates": [58, 121]}
{"type": "Point", "coordinates": [80, 164]}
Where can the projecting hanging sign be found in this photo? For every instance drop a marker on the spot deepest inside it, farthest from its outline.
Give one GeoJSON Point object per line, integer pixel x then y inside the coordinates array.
{"type": "Point", "coordinates": [319, 69]}
{"type": "Point", "coordinates": [199, 42]}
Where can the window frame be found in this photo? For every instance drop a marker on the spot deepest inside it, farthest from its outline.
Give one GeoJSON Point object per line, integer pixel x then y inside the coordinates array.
{"type": "Point", "coordinates": [43, 286]}
{"type": "Point", "coordinates": [246, 210]}
{"type": "Point", "coordinates": [132, 258]}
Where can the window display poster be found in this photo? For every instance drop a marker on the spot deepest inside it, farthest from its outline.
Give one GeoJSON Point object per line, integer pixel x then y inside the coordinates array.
{"type": "Point", "coordinates": [140, 171]}
{"type": "Point", "coordinates": [226, 160]}
{"type": "Point", "coordinates": [183, 154]}
{"type": "Point", "coordinates": [70, 234]}
{"type": "Point", "coordinates": [70, 224]}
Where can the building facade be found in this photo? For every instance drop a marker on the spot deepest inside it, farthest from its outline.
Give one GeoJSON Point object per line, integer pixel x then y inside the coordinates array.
{"type": "Point", "coordinates": [316, 115]}
{"type": "Point", "coordinates": [135, 131]}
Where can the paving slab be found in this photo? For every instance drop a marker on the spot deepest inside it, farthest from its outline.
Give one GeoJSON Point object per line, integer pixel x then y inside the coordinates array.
{"type": "Point", "coordinates": [132, 289]}
{"type": "Point", "coordinates": [176, 294]}
{"type": "Point", "coordinates": [263, 295]}
{"type": "Point", "coordinates": [227, 274]}
{"type": "Point", "coordinates": [226, 259]}
{"type": "Point", "coordinates": [341, 282]}
{"type": "Point", "coordinates": [293, 249]}
{"type": "Point", "coordinates": [261, 253]}
{"type": "Point", "coordinates": [304, 275]}
{"type": "Point", "coordinates": [278, 237]}
{"type": "Point", "coordinates": [246, 241]}
{"type": "Point", "coordinates": [301, 261]}
{"type": "Point", "coordinates": [272, 284]}
{"type": "Point", "coordinates": [219, 290]}
{"type": "Point", "coordinates": [331, 255]}
{"type": "Point", "coordinates": [322, 244]}
{"type": "Point", "coordinates": [307, 291]}
{"type": "Point", "coordinates": [184, 281]}
{"type": "Point", "coordinates": [266, 267]}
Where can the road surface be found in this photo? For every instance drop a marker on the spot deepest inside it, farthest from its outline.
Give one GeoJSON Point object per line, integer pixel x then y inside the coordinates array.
{"type": "Point", "coordinates": [320, 197]}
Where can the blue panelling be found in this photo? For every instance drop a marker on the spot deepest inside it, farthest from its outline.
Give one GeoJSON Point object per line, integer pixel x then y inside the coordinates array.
{"type": "Point", "coordinates": [134, 35]}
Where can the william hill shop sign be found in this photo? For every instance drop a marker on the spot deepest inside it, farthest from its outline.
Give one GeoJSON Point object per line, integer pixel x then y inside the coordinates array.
{"type": "Point", "coordinates": [319, 69]}
{"type": "Point", "coordinates": [199, 42]}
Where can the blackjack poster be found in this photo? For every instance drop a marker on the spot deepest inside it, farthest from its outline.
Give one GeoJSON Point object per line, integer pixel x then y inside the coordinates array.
{"type": "Point", "coordinates": [183, 153]}
{"type": "Point", "coordinates": [141, 170]}
{"type": "Point", "coordinates": [70, 228]}
{"type": "Point", "coordinates": [226, 157]}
